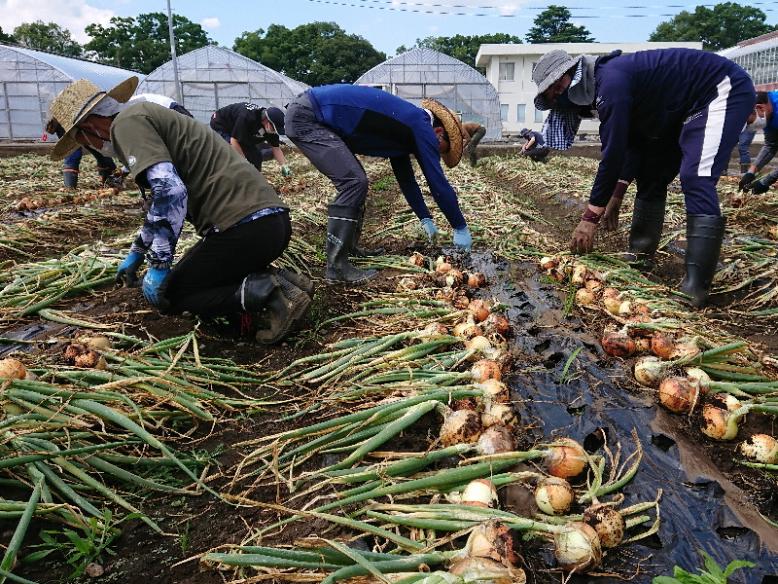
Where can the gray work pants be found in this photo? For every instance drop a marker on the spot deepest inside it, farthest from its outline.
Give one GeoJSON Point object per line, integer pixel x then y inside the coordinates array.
{"type": "Point", "coordinates": [327, 152]}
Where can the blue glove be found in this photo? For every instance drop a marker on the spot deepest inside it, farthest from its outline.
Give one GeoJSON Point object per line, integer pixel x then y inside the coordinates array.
{"type": "Point", "coordinates": [127, 273]}
{"type": "Point", "coordinates": [286, 171]}
{"type": "Point", "coordinates": [463, 239]}
{"type": "Point", "coordinates": [154, 286]}
{"type": "Point", "coordinates": [429, 228]}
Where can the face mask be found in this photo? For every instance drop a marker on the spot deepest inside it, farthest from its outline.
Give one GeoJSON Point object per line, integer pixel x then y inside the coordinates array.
{"type": "Point", "coordinates": [758, 124]}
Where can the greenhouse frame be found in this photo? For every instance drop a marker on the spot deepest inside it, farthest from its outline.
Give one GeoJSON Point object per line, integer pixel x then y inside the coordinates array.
{"type": "Point", "coordinates": [425, 73]}
{"type": "Point", "coordinates": [759, 57]}
{"type": "Point", "coordinates": [30, 79]}
{"type": "Point", "coordinates": [212, 77]}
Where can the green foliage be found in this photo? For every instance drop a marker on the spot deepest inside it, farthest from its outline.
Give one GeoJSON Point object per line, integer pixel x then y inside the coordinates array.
{"type": "Point", "coordinates": [553, 26]}
{"type": "Point", "coordinates": [143, 43]}
{"type": "Point", "coordinates": [719, 27]}
{"type": "Point", "coordinates": [711, 573]}
{"type": "Point", "coordinates": [316, 53]}
{"type": "Point", "coordinates": [80, 549]}
{"type": "Point", "coordinates": [47, 36]}
{"type": "Point", "coordinates": [6, 38]}
{"type": "Point", "coordinates": [462, 47]}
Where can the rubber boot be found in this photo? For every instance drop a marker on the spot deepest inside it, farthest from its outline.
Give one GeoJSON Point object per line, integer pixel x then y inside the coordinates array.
{"type": "Point", "coordinates": [70, 178]}
{"type": "Point", "coordinates": [342, 225]}
{"type": "Point", "coordinates": [301, 281]}
{"type": "Point", "coordinates": [358, 251]}
{"type": "Point", "coordinates": [704, 234]}
{"type": "Point", "coordinates": [471, 156]}
{"type": "Point", "coordinates": [648, 218]}
{"type": "Point", "coordinates": [285, 307]}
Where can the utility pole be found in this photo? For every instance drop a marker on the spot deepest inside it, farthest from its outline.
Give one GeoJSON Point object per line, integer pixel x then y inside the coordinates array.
{"type": "Point", "coordinates": [179, 97]}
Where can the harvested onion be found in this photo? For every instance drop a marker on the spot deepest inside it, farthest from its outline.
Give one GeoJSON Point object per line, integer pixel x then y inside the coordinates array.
{"type": "Point", "coordinates": [548, 263]}
{"type": "Point", "coordinates": [460, 427]}
{"type": "Point", "coordinates": [454, 278]}
{"type": "Point", "coordinates": [493, 540]}
{"type": "Point", "coordinates": [433, 330]}
{"type": "Point", "coordinates": [618, 344]}
{"type": "Point", "coordinates": [417, 259]}
{"type": "Point", "coordinates": [593, 285]}
{"type": "Point", "coordinates": [761, 448]}
{"type": "Point", "coordinates": [566, 458]}
{"type": "Point", "coordinates": [585, 297]}
{"type": "Point", "coordinates": [443, 268]}
{"type": "Point", "coordinates": [478, 344]}
{"type": "Point", "coordinates": [476, 280]}
{"type": "Point", "coordinates": [649, 370]}
{"type": "Point", "coordinates": [607, 522]}
{"type": "Point", "coordinates": [407, 283]}
{"type": "Point", "coordinates": [678, 394]}
{"type": "Point", "coordinates": [554, 496]}
{"type": "Point", "coordinates": [496, 439]}
{"type": "Point", "coordinates": [479, 309]}
{"type": "Point", "coordinates": [662, 345]}
{"type": "Point", "coordinates": [577, 547]}
{"type": "Point", "coordinates": [483, 570]}
{"type": "Point", "coordinates": [719, 421]}
{"type": "Point", "coordinates": [495, 390]}
{"type": "Point", "coordinates": [499, 414]}
{"type": "Point", "coordinates": [498, 323]}
{"type": "Point", "coordinates": [486, 369]}
{"type": "Point", "coordinates": [11, 368]}
{"type": "Point", "coordinates": [479, 493]}
{"type": "Point", "coordinates": [467, 330]}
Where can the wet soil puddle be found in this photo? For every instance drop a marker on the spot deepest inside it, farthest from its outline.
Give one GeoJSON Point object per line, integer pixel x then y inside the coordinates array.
{"type": "Point", "coordinates": [700, 507]}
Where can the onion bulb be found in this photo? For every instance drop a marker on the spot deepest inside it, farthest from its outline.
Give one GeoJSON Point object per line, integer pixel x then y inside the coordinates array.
{"type": "Point", "coordinates": [496, 439]}
{"type": "Point", "coordinates": [483, 571]}
{"type": "Point", "coordinates": [678, 394]}
{"type": "Point", "coordinates": [460, 302]}
{"type": "Point", "coordinates": [577, 547]}
{"type": "Point", "coordinates": [478, 344]}
{"type": "Point", "coordinates": [498, 323]}
{"type": "Point", "coordinates": [98, 342]}
{"type": "Point", "coordinates": [417, 259]}
{"type": "Point", "coordinates": [548, 263]}
{"type": "Point", "coordinates": [761, 448]}
{"type": "Point", "coordinates": [618, 344]}
{"type": "Point", "coordinates": [579, 275]}
{"type": "Point", "coordinates": [443, 268]}
{"type": "Point", "coordinates": [467, 330]}
{"type": "Point", "coordinates": [499, 414]}
{"type": "Point", "coordinates": [460, 427]}
{"type": "Point", "coordinates": [479, 493]}
{"type": "Point", "coordinates": [611, 304]}
{"type": "Point", "coordinates": [494, 390]}
{"type": "Point", "coordinates": [584, 297]}
{"type": "Point", "coordinates": [479, 309]}
{"type": "Point", "coordinates": [90, 360]}
{"type": "Point", "coordinates": [554, 496]}
{"type": "Point", "coordinates": [593, 285]}
{"type": "Point", "coordinates": [11, 368]}
{"type": "Point", "coordinates": [476, 280]}
{"type": "Point", "coordinates": [719, 421]}
{"type": "Point", "coordinates": [649, 371]}
{"type": "Point", "coordinates": [685, 348]}
{"type": "Point", "coordinates": [432, 330]}
{"type": "Point", "coordinates": [407, 283]}
{"type": "Point", "coordinates": [698, 377]}
{"type": "Point", "coordinates": [454, 278]}
{"type": "Point", "coordinates": [493, 540]}
{"type": "Point", "coordinates": [662, 345]}
{"type": "Point", "coordinates": [611, 293]}
{"type": "Point", "coordinates": [486, 369]}
{"type": "Point", "coordinates": [566, 458]}
{"type": "Point", "coordinates": [607, 522]}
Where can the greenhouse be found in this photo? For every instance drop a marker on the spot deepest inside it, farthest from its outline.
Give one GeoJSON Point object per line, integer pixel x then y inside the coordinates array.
{"type": "Point", "coordinates": [212, 77]}
{"type": "Point", "coordinates": [759, 57]}
{"type": "Point", "coordinates": [424, 73]}
{"type": "Point", "coordinates": [30, 79]}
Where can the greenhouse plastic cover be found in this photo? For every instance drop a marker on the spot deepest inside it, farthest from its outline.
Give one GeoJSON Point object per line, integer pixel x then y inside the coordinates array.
{"type": "Point", "coordinates": [212, 77]}
{"type": "Point", "coordinates": [30, 79]}
{"type": "Point", "coordinates": [424, 73]}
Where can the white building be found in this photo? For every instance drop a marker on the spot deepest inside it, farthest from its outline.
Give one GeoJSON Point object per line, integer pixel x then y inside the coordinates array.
{"type": "Point", "coordinates": [509, 68]}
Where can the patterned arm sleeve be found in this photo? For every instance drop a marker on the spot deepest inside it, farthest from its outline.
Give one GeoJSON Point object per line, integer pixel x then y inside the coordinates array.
{"type": "Point", "coordinates": [165, 219]}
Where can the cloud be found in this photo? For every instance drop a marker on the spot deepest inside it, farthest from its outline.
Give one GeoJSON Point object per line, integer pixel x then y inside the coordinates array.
{"type": "Point", "coordinates": [211, 22]}
{"type": "Point", "coordinates": [74, 15]}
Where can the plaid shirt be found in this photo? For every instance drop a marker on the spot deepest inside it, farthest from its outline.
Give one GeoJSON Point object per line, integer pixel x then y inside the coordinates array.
{"type": "Point", "coordinates": [560, 127]}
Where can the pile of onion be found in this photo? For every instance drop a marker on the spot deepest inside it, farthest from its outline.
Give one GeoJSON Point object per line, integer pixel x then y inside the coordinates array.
{"type": "Point", "coordinates": [554, 496]}
{"type": "Point", "coordinates": [760, 448]}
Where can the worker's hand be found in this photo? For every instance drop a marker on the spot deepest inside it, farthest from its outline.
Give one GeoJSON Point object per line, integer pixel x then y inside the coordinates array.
{"type": "Point", "coordinates": [759, 187]}
{"type": "Point", "coordinates": [127, 273]}
{"type": "Point", "coordinates": [154, 286]}
{"type": "Point", "coordinates": [462, 238]}
{"type": "Point", "coordinates": [429, 228]}
{"type": "Point", "coordinates": [286, 170]}
{"type": "Point", "coordinates": [583, 237]}
{"type": "Point", "coordinates": [745, 181]}
{"type": "Point", "coordinates": [611, 215]}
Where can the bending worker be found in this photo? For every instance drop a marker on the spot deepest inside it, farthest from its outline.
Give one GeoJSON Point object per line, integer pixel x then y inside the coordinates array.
{"type": "Point", "coordinates": [246, 127]}
{"type": "Point", "coordinates": [331, 124]}
{"type": "Point", "coordinates": [677, 110]}
{"type": "Point", "coordinates": [764, 117]}
{"type": "Point", "coordinates": [243, 224]}
{"type": "Point", "coordinates": [476, 132]}
{"type": "Point", "coordinates": [535, 146]}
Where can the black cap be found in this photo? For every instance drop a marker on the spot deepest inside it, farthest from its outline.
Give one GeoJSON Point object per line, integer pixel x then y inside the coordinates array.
{"type": "Point", "coordinates": [276, 117]}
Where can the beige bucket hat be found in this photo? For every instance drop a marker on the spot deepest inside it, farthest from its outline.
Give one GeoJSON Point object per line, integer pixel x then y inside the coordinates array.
{"type": "Point", "coordinates": [75, 102]}
{"type": "Point", "coordinates": [456, 133]}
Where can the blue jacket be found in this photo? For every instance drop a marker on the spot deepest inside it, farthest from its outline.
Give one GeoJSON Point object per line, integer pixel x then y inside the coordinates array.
{"type": "Point", "coordinates": [646, 96]}
{"type": "Point", "coordinates": [773, 123]}
{"type": "Point", "coordinates": [376, 123]}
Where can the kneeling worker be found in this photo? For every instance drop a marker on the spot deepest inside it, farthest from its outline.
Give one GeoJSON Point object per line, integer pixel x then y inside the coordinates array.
{"type": "Point", "coordinates": [243, 224]}
{"type": "Point", "coordinates": [331, 124]}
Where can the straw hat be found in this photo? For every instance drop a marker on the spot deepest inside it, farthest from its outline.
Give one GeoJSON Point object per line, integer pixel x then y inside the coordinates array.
{"type": "Point", "coordinates": [453, 127]}
{"type": "Point", "coordinates": [75, 102]}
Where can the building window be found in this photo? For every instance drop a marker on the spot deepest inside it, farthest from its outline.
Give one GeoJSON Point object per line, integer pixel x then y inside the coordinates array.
{"type": "Point", "coordinates": [503, 112]}
{"type": "Point", "coordinates": [520, 112]}
{"type": "Point", "coordinates": [538, 116]}
{"type": "Point", "coordinates": [507, 71]}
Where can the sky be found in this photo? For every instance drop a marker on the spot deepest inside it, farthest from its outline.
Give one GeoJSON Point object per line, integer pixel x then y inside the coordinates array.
{"type": "Point", "coordinates": [387, 24]}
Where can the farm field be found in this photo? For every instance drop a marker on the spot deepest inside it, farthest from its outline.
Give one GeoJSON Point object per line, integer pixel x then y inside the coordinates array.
{"type": "Point", "coordinates": [137, 446]}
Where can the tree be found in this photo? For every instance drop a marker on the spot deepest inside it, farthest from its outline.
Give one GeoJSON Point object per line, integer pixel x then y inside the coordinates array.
{"type": "Point", "coordinates": [6, 38]}
{"type": "Point", "coordinates": [49, 37]}
{"type": "Point", "coordinates": [553, 26]}
{"type": "Point", "coordinates": [142, 43]}
{"type": "Point", "coordinates": [316, 53]}
{"type": "Point", "coordinates": [462, 47]}
{"type": "Point", "coordinates": [718, 28]}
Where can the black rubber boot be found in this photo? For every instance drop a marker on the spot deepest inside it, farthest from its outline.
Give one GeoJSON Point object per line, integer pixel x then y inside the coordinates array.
{"type": "Point", "coordinates": [342, 225]}
{"type": "Point", "coordinates": [303, 282]}
{"type": "Point", "coordinates": [704, 234]}
{"type": "Point", "coordinates": [648, 218]}
{"type": "Point", "coordinates": [106, 174]}
{"type": "Point", "coordinates": [70, 177]}
{"type": "Point", "coordinates": [285, 307]}
{"type": "Point", "coordinates": [358, 251]}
